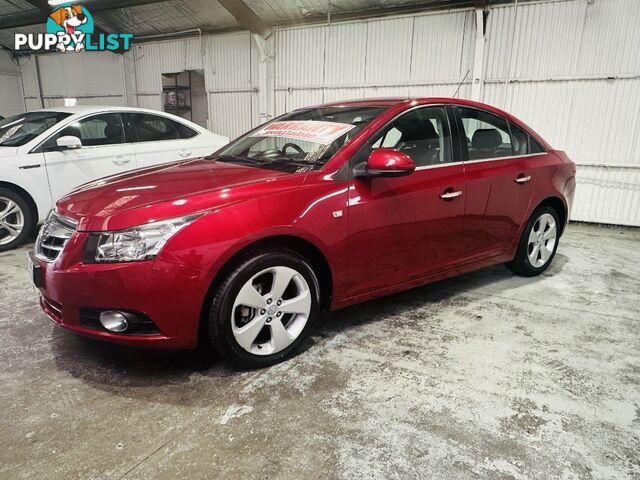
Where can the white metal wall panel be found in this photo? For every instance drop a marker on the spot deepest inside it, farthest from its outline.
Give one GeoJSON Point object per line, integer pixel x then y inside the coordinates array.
{"type": "Point", "coordinates": [154, 59]}
{"type": "Point", "coordinates": [389, 44]}
{"type": "Point", "coordinates": [291, 100]}
{"type": "Point", "coordinates": [607, 195]}
{"type": "Point", "coordinates": [152, 101]}
{"type": "Point", "coordinates": [300, 57]}
{"type": "Point", "coordinates": [29, 82]}
{"type": "Point", "coordinates": [441, 90]}
{"type": "Point", "coordinates": [110, 101]}
{"type": "Point", "coordinates": [338, 94]}
{"type": "Point", "coordinates": [605, 122]}
{"type": "Point", "coordinates": [546, 42]}
{"type": "Point", "coordinates": [32, 104]}
{"type": "Point", "coordinates": [7, 65]}
{"type": "Point", "coordinates": [11, 94]}
{"type": "Point", "coordinates": [231, 113]}
{"type": "Point", "coordinates": [442, 48]}
{"type": "Point", "coordinates": [345, 57]}
{"type": "Point", "coordinates": [611, 38]}
{"type": "Point", "coordinates": [81, 75]}
{"type": "Point", "coordinates": [230, 62]}
{"type": "Point", "coordinates": [11, 98]}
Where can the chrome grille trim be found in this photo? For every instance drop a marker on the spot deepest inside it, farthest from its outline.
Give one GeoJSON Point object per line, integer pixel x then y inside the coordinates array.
{"type": "Point", "coordinates": [53, 236]}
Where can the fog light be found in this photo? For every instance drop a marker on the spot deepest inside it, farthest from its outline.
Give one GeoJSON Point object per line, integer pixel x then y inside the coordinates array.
{"type": "Point", "coordinates": [114, 321]}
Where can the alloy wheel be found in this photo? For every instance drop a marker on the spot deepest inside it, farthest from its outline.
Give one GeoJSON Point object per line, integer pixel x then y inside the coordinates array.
{"type": "Point", "coordinates": [542, 240]}
{"type": "Point", "coordinates": [11, 220]}
{"type": "Point", "coordinates": [271, 310]}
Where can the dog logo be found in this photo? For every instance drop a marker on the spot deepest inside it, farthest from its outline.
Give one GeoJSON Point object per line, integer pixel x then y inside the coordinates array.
{"type": "Point", "coordinates": [70, 19]}
{"type": "Point", "coordinates": [70, 28]}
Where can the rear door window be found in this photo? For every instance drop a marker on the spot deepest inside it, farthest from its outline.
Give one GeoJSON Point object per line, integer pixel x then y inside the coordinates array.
{"type": "Point", "coordinates": [486, 135]}
{"type": "Point", "coordinates": [152, 128]}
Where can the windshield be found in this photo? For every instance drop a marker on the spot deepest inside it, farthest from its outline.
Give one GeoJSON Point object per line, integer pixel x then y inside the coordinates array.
{"type": "Point", "coordinates": [21, 129]}
{"type": "Point", "coordinates": [301, 141]}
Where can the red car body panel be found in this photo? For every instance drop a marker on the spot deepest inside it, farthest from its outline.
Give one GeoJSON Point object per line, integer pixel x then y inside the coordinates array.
{"type": "Point", "coordinates": [377, 235]}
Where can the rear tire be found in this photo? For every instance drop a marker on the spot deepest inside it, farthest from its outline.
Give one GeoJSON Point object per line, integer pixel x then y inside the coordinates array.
{"type": "Point", "coordinates": [17, 219]}
{"type": "Point", "coordinates": [264, 310]}
{"type": "Point", "coordinates": [538, 244]}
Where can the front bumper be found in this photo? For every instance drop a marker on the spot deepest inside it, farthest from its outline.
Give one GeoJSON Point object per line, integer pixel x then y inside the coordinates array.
{"type": "Point", "coordinates": [169, 294]}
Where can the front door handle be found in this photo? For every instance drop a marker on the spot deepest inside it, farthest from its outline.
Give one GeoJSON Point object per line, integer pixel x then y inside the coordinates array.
{"type": "Point", "coordinates": [185, 154]}
{"type": "Point", "coordinates": [121, 160]}
{"type": "Point", "coordinates": [522, 179]}
{"type": "Point", "coordinates": [450, 194]}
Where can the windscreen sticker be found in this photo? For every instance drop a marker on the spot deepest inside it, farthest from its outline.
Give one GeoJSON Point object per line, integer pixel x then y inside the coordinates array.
{"type": "Point", "coordinates": [309, 130]}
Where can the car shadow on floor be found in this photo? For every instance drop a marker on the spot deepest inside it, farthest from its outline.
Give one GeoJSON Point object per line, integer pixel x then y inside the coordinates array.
{"type": "Point", "coordinates": [188, 377]}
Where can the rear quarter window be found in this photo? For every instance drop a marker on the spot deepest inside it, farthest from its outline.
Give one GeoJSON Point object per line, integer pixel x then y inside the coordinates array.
{"type": "Point", "coordinates": [522, 142]}
{"type": "Point", "coordinates": [184, 131]}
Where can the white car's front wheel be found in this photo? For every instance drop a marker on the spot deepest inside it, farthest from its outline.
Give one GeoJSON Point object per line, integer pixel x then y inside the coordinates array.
{"type": "Point", "coordinates": [16, 219]}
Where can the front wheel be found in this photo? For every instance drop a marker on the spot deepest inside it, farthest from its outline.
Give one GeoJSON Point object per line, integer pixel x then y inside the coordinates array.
{"type": "Point", "coordinates": [538, 244]}
{"type": "Point", "coordinates": [265, 309]}
{"type": "Point", "coordinates": [16, 219]}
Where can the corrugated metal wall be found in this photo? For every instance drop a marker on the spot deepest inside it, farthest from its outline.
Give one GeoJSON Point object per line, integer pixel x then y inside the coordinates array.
{"type": "Point", "coordinates": [91, 79]}
{"type": "Point", "coordinates": [569, 68]}
{"type": "Point", "coordinates": [11, 95]}
{"type": "Point", "coordinates": [419, 55]}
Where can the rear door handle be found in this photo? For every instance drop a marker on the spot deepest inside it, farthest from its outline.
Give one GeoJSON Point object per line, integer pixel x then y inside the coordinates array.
{"type": "Point", "coordinates": [185, 153]}
{"type": "Point", "coordinates": [121, 160]}
{"type": "Point", "coordinates": [523, 179]}
{"type": "Point", "coordinates": [450, 194]}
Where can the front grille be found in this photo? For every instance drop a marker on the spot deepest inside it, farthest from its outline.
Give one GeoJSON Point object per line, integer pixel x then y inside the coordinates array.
{"type": "Point", "coordinates": [53, 236]}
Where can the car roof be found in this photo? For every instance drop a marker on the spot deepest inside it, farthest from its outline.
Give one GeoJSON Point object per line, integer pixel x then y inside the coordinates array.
{"type": "Point", "coordinates": [393, 101]}
{"type": "Point", "coordinates": [82, 109]}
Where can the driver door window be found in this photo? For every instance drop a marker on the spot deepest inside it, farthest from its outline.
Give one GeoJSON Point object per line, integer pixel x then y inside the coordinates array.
{"type": "Point", "coordinates": [95, 131]}
{"type": "Point", "coordinates": [423, 134]}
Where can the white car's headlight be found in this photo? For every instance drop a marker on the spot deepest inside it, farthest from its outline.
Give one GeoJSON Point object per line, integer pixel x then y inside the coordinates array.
{"type": "Point", "coordinates": [139, 243]}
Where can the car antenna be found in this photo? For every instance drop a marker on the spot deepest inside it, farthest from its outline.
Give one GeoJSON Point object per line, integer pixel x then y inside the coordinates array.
{"type": "Point", "coordinates": [461, 82]}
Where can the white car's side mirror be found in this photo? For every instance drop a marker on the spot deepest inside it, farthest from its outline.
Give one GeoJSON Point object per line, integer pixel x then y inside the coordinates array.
{"type": "Point", "coordinates": [69, 142]}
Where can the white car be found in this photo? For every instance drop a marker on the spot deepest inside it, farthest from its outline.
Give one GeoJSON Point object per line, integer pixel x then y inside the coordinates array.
{"type": "Point", "coordinates": [47, 153]}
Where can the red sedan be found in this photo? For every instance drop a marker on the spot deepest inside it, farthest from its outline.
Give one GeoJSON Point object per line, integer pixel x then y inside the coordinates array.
{"type": "Point", "coordinates": [319, 209]}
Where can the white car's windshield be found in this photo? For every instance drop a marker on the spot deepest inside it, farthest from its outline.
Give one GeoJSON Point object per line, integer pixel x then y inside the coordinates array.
{"type": "Point", "coordinates": [20, 129]}
{"type": "Point", "coordinates": [301, 141]}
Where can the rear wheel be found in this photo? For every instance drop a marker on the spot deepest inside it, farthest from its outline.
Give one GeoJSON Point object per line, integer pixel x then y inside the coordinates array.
{"type": "Point", "coordinates": [16, 219]}
{"type": "Point", "coordinates": [538, 244]}
{"type": "Point", "coordinates": [265, 309]}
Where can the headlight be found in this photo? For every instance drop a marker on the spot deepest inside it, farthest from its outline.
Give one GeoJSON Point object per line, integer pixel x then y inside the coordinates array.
{"type": "Point", "coordinates": [138, 243]}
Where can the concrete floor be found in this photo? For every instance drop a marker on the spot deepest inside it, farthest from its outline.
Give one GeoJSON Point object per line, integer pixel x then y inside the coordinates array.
{"type": "Point", "coordinates": [482, 376]}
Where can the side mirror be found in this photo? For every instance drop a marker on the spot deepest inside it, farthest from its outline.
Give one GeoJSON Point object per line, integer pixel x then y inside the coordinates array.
{"type": "Point", "coordinates": [69, 142]}
{"type": "Point", "coordinates": [387, 162]}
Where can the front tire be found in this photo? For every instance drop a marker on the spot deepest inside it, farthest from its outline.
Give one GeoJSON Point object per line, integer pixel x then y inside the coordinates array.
{"type": "Point", "coordinates": [538, 244]}
{"type": "Point", "coordinates": [264, 309]}
{"type": "Point", "coordinates": [16, 219]}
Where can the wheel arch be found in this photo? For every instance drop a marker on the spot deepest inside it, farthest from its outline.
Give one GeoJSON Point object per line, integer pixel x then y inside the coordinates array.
{"type": "Point", "coordinates": [24, 194]}
{"type": "Point", "coordinates": [559, 206]}
{"type": "Point", "coordinates": [302, 246]}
